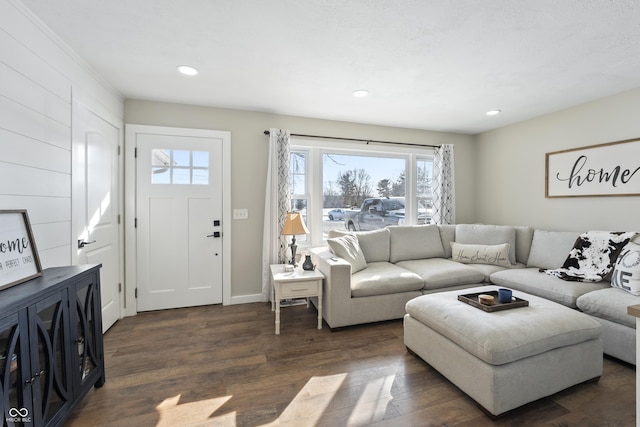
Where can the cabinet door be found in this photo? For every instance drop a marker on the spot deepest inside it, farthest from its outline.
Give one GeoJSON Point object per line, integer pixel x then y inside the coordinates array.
{"type": "Point", "coordinates": [87, 325]}
{"type": "Point", "coordinates": [51, 378]}
{"type": "Point", "coordinates": [15, 397]}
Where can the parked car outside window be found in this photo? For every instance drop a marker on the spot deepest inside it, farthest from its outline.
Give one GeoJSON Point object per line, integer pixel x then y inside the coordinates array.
{"type": "Point", "coordinates": [335, 214]}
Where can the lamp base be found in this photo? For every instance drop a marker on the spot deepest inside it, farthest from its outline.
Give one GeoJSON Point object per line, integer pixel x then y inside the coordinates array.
{"type": "Point", "coordinates": [293, 247]}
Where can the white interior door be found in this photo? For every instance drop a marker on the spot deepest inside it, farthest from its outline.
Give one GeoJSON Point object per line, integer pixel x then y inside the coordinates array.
{"type": "Point", "coordinates": [179, 221]}
{"type": "Point", "coordinates": [95, 204]}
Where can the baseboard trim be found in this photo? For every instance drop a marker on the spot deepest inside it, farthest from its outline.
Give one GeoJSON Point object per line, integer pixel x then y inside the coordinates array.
{"type": "Point", "coordinates": [246, 299]}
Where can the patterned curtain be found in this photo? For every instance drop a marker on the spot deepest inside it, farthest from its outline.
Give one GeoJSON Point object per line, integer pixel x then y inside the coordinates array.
{"type": "Point", "coordinates": [444, 200]}
{"type": "Point", "coordinates": [277, 204]}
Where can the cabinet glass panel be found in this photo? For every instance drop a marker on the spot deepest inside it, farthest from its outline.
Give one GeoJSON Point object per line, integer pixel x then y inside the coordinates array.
{"type": "Point", "coordinates": [86, 348]}
{"type": "Point", "coordinates": [52, 372]}
{"type": "Point", "coordinates": [12, 403]}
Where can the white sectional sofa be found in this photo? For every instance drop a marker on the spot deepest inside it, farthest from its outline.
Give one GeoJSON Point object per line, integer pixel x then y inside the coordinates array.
{"type": "Point", "coordinates": [370, 276]}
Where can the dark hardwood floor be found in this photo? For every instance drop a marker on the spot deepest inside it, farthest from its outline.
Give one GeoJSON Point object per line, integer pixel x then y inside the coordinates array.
{"type": "Point", "coordinates": [223, 366]}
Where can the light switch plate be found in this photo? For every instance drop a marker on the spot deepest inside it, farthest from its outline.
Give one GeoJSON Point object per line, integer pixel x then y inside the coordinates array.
{"type": "Point", "coordinates": [241, 214]}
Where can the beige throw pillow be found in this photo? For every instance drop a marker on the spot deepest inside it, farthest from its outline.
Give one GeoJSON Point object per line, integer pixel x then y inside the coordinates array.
{"type": "Point", "coordinates": [481, 254]}
{"type": "Point", "coordinates": [485, 234]}
{"type": "Point", "coordinates": [348, 248]}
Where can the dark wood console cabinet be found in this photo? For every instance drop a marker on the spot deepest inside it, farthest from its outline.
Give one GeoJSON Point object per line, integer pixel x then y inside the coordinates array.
{"type": "Point", "coordinates": [51, 347]}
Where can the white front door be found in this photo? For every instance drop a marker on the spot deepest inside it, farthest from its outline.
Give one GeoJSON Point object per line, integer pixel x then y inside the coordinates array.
{"type": "Point", "coordinates": [95, 195]}
{"type": "Point", "coordinates": [178, 221]}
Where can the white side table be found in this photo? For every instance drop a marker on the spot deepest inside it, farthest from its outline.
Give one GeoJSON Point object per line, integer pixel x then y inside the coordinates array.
{"type": "Point", "coordinates": [296, 284]}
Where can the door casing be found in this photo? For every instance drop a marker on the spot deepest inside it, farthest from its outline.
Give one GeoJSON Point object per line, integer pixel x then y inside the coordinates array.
{"type": "Point", "coordinates": [131, 131]}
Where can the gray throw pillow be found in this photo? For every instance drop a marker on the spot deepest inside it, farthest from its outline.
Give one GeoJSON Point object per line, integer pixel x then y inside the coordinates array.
{"type": "Point", "coordinates": [347, 248]}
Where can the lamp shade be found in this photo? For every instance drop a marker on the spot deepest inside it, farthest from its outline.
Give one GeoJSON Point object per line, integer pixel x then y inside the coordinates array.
{"type": "Point", "coordinates": [294, 225]}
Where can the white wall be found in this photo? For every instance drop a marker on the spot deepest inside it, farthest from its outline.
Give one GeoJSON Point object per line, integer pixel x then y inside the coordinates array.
{"type": "Point", "coordinates": [510, 183]}
{"type": "Point", "coordinates": [39, 77]}
{"type": "Point", "coordinates": [249, 167]}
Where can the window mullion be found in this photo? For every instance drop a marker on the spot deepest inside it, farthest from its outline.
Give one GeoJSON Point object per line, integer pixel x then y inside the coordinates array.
{"type": "Point", "coordinates": [410, 190]}
{"type": "Point", "coordinates": [315, 194]}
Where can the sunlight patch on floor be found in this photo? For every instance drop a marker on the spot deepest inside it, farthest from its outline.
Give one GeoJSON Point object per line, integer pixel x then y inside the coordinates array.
{"type": "Point", "coordinates": [309, 406]}
{"type": "Point", "coordinates": [312, 401]}
{"type": "Point", "coordinates": [173, 413]}
{"type": "Point", "coordinates": [372, 403]}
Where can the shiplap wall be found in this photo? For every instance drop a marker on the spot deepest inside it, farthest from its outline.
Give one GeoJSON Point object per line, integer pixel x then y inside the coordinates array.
{"type": "Point", "coordinates": [39, 77]}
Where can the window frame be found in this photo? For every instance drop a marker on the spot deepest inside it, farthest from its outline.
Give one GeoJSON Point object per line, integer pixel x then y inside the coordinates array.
{"type": "Point", "coordinates": [314, 179]}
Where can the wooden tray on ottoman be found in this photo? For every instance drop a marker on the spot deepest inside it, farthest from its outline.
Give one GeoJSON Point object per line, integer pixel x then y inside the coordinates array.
{"type": "Point", "coordinates": [472, 299]}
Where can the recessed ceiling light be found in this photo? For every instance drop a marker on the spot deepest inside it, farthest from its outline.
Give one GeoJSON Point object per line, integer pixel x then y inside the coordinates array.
{"type": "Point", "coordinates": [187, 70]}
{"type": "Point", "coordinates": [493, 112]}
{"type": "Point", "coordinates": [360, 93]}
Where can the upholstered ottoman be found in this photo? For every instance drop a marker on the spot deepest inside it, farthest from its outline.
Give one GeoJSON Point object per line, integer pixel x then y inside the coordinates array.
{"type": "Point", "coordinates": [504, 359]}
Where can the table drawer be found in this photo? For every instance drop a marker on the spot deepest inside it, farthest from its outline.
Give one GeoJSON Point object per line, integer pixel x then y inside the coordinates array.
{"type": "Point", "coordinates": [299, 289]}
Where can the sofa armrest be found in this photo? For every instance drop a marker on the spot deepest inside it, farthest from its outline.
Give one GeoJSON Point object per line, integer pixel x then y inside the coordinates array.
{"type": "Point", "coordinates": [336, 295]}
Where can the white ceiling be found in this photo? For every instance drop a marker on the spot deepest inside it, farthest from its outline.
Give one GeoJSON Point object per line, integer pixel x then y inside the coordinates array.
{"type": "Point", "coordinates": [428, 64]}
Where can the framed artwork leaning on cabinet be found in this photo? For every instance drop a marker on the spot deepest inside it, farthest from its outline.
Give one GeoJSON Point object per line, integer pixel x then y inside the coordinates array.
{"type": "Point", "coordinates": [19, 259]}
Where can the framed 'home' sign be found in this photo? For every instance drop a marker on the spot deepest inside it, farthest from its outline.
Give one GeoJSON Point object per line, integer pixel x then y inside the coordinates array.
{"type": "Point", "coordinates": [611, 169]}
{"type": "Point", "coordinates": [19, 259]}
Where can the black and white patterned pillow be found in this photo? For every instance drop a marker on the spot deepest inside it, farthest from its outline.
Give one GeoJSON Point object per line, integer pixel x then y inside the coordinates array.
{"type": "Point", "coordinates": [593, 256]}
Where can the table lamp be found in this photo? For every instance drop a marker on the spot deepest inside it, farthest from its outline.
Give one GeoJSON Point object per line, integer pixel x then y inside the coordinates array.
{"type": "Point", "coordinates": [293, 225]}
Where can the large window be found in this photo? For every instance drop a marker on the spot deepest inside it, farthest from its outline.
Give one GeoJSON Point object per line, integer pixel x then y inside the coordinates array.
{"type": "Point", "coordinates": [300, 188]}
{"type": "Point", "coordinates": [350, 187]}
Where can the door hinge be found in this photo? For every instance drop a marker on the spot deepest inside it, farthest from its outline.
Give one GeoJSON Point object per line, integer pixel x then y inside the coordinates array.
{"type": "Point", "coordinates": [118, 150]}
{"type": "Point", "coordinates": [118, 219]}
{"type": "Point", "coordinates": [135, 223]}
{"type": "Point", "coordinates": [136, 293]}
{"type": "Point", "coordinates": [119, 287]}
{"type": "Point", "coordinates": [135, 152]}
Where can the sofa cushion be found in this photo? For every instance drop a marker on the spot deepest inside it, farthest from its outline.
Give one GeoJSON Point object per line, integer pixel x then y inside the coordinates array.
{"type": "Point", "coordinates": [483, 234]}
{"type": "Point", "coordinates": [415, 242]}
{"type": "Point", "coordinates": [532, 281]}
{"type": "Point", "coordinates": [348, 248]}
{"type": "Point", "coordinates": [549, 249]}
{"type": "Point", "coordinates": [374, 244]}
{"type": "Point", "coordinates": [524, 236]}
{"type": "Point", "coordinates": [481, 254]}
{"type": "Point", "coordinates": [489, 269]}
{"type": "Point", "coordinates": [626, 273]}
{"type": "Point", "coordinates": [447, 235]}
{"type": "Point", "coordinates": [381, 278]}
{"type": "Point", "coordinates": [610, 304]}
{"type": "Point", "coordinates": [441, 273]}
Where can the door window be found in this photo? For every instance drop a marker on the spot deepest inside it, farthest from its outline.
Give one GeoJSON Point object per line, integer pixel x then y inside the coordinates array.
{"type": "Point", "coordinates": [181, 167]}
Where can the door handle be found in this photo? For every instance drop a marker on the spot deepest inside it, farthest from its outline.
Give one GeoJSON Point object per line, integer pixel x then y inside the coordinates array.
{"type": "Point", "coordinates": [215, 234]}
{"type": "Point", "coordinates": [82, 243]}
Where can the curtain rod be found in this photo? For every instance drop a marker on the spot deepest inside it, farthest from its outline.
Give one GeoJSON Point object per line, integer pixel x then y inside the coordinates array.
{"type": "Point", "coordinates": [266, 132]}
